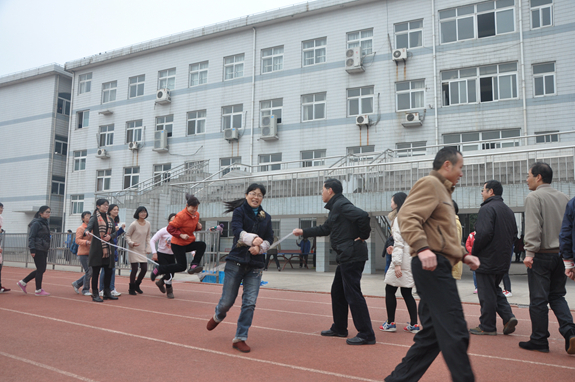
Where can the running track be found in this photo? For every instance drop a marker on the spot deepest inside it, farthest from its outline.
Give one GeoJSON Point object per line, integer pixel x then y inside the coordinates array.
{"type": "Point", "coordinates": [67, 337]}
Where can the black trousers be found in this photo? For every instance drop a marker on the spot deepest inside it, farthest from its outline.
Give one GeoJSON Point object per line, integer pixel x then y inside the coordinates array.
{"type": "Point", "coordinates": [96, 278]}
{"type": "Point", "coordinates": [391, 303]}
{"type": "Point", "coordinates": [546, 280]}
{"type": "Point", "coordinates": [443, 326]}
{"type": "Point", "coordinates": [166, 259]}
{"type": "Point", "coordinates": [40, 259]}
{"type": "Point", "coordinates": [268, 258]}
{"type": "Point", "coordinates": [180, 256]}
{"type": "Point", "coordinates": [492, 301]}
{"type": "Point", "coordinates": [346, 293]}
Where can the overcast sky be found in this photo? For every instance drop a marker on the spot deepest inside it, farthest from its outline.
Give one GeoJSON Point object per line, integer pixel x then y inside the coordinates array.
{"type": "Point", "coordinates": [39, 32]}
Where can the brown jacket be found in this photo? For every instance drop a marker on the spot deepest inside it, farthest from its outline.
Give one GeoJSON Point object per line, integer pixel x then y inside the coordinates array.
{"type": "Point", "coordinates": [427, 218]}
{"type": "Point", "coordinates": [81, 240]}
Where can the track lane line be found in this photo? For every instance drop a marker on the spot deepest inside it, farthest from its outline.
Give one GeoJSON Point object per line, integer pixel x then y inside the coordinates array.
{"type": "Point", "coordinates": [47, 367]}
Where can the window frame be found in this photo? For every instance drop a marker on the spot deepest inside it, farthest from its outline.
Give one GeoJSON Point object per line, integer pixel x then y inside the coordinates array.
{"type": "Point", "coordinates": [359, 41]}
{"type": "Point", "coordinates": [360, 99]}
{"type": "Point", "coordinates": [199, 71]}
{"type": "Point", "coordinates": [109, 91]}
{"type": "Point", "coordinates": [135, 128]}
{"type": "Point", "coordinates": [60, 183]}
{"type": "Point", "coordinates": [231, 160]}
{"type": "Point", "coordinates": [271, 59]}
{"type": "Point", "coordinates": [272, 164]}
{"type": "Point", "coordinates": [365, 149]}
{"type": "Point", "coordinates": [166, 78]}
{"type": "Point", "coordinates": [196, 119]}
{"type": "Point", "coordinates": [63, 104]}
{"type": "Point", "coordinates": [60, 145]}
{"type": "Point", "coordinates": [408, 32]}
{"type": "Point", "coordinates": [84, 84]}
{"type": "Point", "coordinates": [314, 103]}
{"type": "Point", "coordinates": [238, 60]}
{"type": "Point", "coordinates": [547, 136]}
{"type": "Point", "coordinates": [167, 123]}
{"type": "Point", "coordinates": [76, 204]}
{"type": "Point", "coordinates": [313, 49]}
{"type": "Point", "coordinates": [539, 8]}
{"type": "Point", "coordinates": [80, 157]}
{"type": "Point", "coordinates": [163, 175]}
{"type": "Point", "coordinates": [411, 92]}
{"type": "Point", "coordinates": [276, 110]}
{"type": "Point", "coordinates": [105, 176]}
{"type": "Point", "coordinates": [108, 132]}
{"type": "Point", "coordinates": [134, 177]}
{"type": "Point", "coordinates": [544, 76]}
{"type": "Point", "coordinates": [81, 118]}
{"type": "Point", "coordinates": [231, 116]}
{"type": "Point", "coordinates": [314, 161]}
{"type": "Point", "coordinates": [139, 84]}
{"type": "Point", "coordinates": [411, 149]}
{"type": "Point", "coordinates": [461, 145]}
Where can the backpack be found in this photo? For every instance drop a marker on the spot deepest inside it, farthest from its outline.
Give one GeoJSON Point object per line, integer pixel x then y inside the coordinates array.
{"type": "Point", "coordinates": [74, 248]}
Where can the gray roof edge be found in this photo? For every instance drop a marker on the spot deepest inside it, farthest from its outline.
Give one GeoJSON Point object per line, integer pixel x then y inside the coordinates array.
{"type": "Point", "coordinates": [296, 10]}
{"type": "Point", "coordinates": [38, 72]}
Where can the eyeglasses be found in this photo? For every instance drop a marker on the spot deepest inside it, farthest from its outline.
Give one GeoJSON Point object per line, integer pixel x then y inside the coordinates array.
{"type": "Point", "coordinates": [255, 195]}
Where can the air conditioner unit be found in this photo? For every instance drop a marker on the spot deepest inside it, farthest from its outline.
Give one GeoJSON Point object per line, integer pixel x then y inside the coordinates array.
{"type": "Point", "coordinates": [362, 120]}
{"type": "Point", "coordinates": [411, 120]}
{"type": "Point", "coordinates": [161, 141]}
{"type": "Point", "coordinates": [133, 145]}
{"type": "Point", "coordinates": [163, 96]}
{"type": "Point", "coordinates": [399, 54]}
{"type": "Point", "coordinates": [231, 134]}
{"type": "Point", "coordinates": [353, 60]}
{"type": "Point", "coordinates": [269, 127]}
{"type": "Point", "coordinates": [102, 153]}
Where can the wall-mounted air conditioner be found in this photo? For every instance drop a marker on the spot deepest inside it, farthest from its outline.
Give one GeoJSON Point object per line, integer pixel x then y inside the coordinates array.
{"type": "Point", "coordinates": [161, 141]}
{"type": "Point", "coordinates": [399, 54]}
{"type": "Point", "coordinates": [163, 96]}
{"type": "Point", "coordinates": [269, 127]}
{"type": "Point", "coordinates": [411, 120]}
{"type": "Point", "coordinates": [231, 134]}
{"type": "Point", "coordinates": [353, 60]}
{"type": "Point", "coordinates": [133, 145]}
{"type": "Point", "coordinates": [362, 120]}
{"type": "Point", "coordinates": [102, 153]}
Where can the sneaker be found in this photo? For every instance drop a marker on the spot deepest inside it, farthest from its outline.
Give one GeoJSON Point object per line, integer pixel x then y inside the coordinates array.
{"type": "Point", "coordinates": [75, 288]}
{"type": "Point", "coordinates": [22, 286]}
{"type": "Point", "coordinates": [480, 332]}
{"type": "Point", "coordinates": [412, 328]}
{"type": "Point", "coordinates": [388, 327]}
{"type": "Point", "coordinates": [509, 327]}
{"type": "Point", "coordinates": [86, 293]}
{"type": "Point", "coordinates": [101, 293]}
{"type": "Point", "coordinates": [241, 346]}
{"type": "Point", "coordinates": [115, 293]}
{"type": "Point", "coordinates": [475, 291]}
{"type": "Point", "coordinates": [3, 290]}
{"type": "Point", "coordinates": [195, 268]}
{"type": "Point", "coordinates": [507, 293]}
{"type": "Point", "coordinates": [42, 293]}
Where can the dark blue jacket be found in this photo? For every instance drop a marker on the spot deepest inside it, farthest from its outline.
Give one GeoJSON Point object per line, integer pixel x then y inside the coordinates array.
{"type": "Point", "coordinates": [566, 242]}
{"type": "Point", "coordinates": [39, 236]}
{"type": "Point", "coordinates": [244, 219]}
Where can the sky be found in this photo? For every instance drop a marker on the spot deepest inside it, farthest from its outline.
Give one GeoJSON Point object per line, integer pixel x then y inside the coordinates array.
{"type": "Point", "coordinates": [34, 33]}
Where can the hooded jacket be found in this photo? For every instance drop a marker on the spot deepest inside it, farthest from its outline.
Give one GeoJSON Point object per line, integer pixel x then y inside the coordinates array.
{"type": "Point", "coordinates": [39, 236]}
{"type": "Point", "coordinates": [184, 223]}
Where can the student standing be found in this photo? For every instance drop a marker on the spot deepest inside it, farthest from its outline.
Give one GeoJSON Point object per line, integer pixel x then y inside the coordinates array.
{"type": "Point", "coordinates": [113, 211]}
{"type": "Point", "coordinates": [138, 239]}
{"type": "Point", "coordinates": [84, 241]}
{"type": "Point", "coordinates": [164, 256]}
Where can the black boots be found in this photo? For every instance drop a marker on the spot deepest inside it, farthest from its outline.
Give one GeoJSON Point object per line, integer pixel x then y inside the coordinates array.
{"type": "Point", "coordinates": [96, 297]}
{"type": "Point", "coordinates": [108, 295]}
{"type": "Point", "coordinates": [137, 287]}
{"type": "Point", "coordinates": [132, 290]}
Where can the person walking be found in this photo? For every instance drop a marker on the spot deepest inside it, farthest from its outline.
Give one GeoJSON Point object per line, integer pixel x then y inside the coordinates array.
{"type": "Point", "coordinates": [138, 239]}
{"type": "Point", "coordinates": [545, 208]}
{"type": "Point", "coordinates": [253, 233]}
{"type": "Point", "coordinates": [39, 244]}
{"type": "Point", "coordinates": [427, 224]}
{"type": "Point", "coordinates": [2, 289]}
{"type": "Point", "coordinates": [164, 256]}
{"type": "Point", "coordinates": [495, 231]}
{"type": "Point", "coordinates": [84, 242]}
{"type": "Point", "coordinates": [113, 212]}
{"type": "Point", "coordinates": [399, 276]}
{"type": "Point", "coordinates": [348, 228]}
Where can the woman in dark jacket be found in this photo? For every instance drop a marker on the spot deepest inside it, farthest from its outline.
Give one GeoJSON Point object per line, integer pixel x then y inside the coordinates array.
{"type": "Point", "coordinates": [39, 244]}
{"type": "Point", "coordinates": [252, 228]}
{"type": "Point", "coordinates": [101, 254]}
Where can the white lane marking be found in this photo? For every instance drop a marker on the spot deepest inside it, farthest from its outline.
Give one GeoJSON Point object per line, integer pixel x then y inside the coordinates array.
{"type": "Point", "coordinates": [164, 342]}
{"type": "Point", "coordinates": [38, 364]}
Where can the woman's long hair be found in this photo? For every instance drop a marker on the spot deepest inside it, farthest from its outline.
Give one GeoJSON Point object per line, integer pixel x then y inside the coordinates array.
{"type": "Point", "coordinates": [41, 211]}
{"type": "Point", "coordinates": [230, 206]}
{"type": "Point", "coordinates": [399, 199]}
{"type": "Point", "coordinates": [117, 218]}
{"type": "Point", "coordinates": [99, 202]}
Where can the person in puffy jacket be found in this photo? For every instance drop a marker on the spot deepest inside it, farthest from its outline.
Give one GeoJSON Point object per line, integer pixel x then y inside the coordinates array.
{"type": "Point", "coordinates": [39, 244]}
{"type": "Point", "coordinates": [164, 256]}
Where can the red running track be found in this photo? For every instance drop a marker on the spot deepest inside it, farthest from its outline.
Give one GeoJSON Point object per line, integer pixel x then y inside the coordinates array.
{"type": "Point", "coordinates": [67, 337]}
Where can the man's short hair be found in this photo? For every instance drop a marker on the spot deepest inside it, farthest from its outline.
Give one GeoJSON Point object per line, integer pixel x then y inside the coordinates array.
{"type": "Point", "coordinates": [543, 169]}
{"type": "Point", "coordinates": [494, 185]}
{"type": "Point", "coordinates": [334, 184]}
{"type": "Point", "coordinates": [446, 153]}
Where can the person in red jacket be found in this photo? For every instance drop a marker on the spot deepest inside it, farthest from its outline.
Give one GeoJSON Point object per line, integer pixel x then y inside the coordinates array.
{"type": "Point", "coordinates": [468, 246]}
{"type": "Point", "coordinates": [182, 229]}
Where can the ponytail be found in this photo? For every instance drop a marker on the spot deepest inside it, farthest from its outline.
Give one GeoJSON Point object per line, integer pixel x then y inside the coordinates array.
{"type": "Point", "coordinates": [41, 211]}
{"type": "Point", "coordinates": [192, 201]}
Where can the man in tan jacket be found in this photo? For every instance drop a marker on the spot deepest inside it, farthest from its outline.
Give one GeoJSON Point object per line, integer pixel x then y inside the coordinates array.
{"type": "Point", "coordinates": [427, 223]}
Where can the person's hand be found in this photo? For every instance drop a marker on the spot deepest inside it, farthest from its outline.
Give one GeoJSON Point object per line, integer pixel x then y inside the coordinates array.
{"type": "Point", "coordinates": [32, 254]}
{"type": "Point", "coordinates": [199, 226]}
{"type": "Point", "coordinates": [298, 232]}
{"type": "Point", "coordinates": [136, 245]}
{"type": "Point", "coordinates": [184, 236]}
{"type": "Point", "coordinates": [472, 261]}
{"type": "Point", "coordinates": [257, 241]}
{"type": "Point", "coordinates": [88, 242]}
{"type": "Point", "coordinates": [255, 250]}
{"type": "Point", "coordinates": [398, 273]}
{"type": "Point", "coordinates": [107, 238]}
{"type": "Point", "coordinates": [155, 256]}
{"type": "Point", "coordinates": [428, 260]}
{"type": "Point", "coordinates": [123, 225]}
{"type": "Point", "coordinates": [390, 249]}
{"type": "Point", "coordinates": [359, 238]}
{"type": "Point", "coordinates": [528, 262]}
{"type": "Point", "coordinates": [570, 273]}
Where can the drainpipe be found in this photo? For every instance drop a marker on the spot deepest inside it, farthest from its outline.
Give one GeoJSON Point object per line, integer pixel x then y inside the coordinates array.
{"type": "Point", "coordinates": [70, 125]}
{"type": "Point", "coordinates": [53, 138]}
{"type": "Point", "coordinates": [436, 122]}
{"type": "Point", "coordinates": [253, 101]}
{"type": "Point", "coordinates": [522, 58]}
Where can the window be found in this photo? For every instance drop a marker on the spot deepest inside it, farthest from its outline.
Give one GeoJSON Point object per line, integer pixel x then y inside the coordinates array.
{"type": "Point", "coordinates": [232, 117]}
{"type": "Point", "coordinates": [313, 106]}
{"type": "Point", "coordinates": [485, 19]}
{"type": "Point", "coordinates": [106, 136]}
{"type": "Point", "coordinates": [272, 107]}
{"type": "Point", "coordinates": [410, 149]}
{"type": "Point", "coordinates": [103, 180]}
{"type": "Point", "coordinates": [80, 160]}
{"type": "Point", "coordinates": [85, 83]}
{"type": "Point", "coordinates": [268, 159]}
{"type": "Point", "coordinates": [162, 173]}
{"type": "Point", "coordinates": [131, 176]}
{"type": "Point", "coordinates": [276, 227]}
{"type": "Point", "coordinates": [409, 35]}
{"type": "Point", "coordinates": [226, 231]}
{"type": "Point", "coordinates": [167, 79]}
{"type": "Point", "coordinates": [196, 122]}
{"type": "Point", "coordinates": [307, 223]}
{"type": "Point", "coordinates": [410, 95]}
{"type": "Point", "coordinates": [233, 67]}
{"type": "Point", "coordinates": [544, 79]}
{"type": "Point", "coordinates": [134, 131]}
{"type": "Point", "coordinates": [199, 73]}
{"type": "Point", "coordinates": [312, 158]}
{"type": "Point", "coordinates": [61, 145]}
{"type": "Point", "coordinates": [314, 51]}
{"type": "Point", "coordinates": [137, 86]}
{"type": "Point", "coordinates": [83, 119]}
{"type": "Point", "coordinates": [165, 123]}
{"type": "Point", "coordinates": [364, 39]}
{"type": "Point", "coordinates": [63, 104]}
{"type": "Point", "coordinates": [546, 137]}
{"type": "Point", "coordinates": [458, 140]}
{"type": "Point", "coordinates": [359, 150]}
{"type": "Point", "coordinates": [272, 59]}
{"type": "Point", "coordinates": [360, 101]}
{"type": "Point", "coordinates": [225, 162]}
{"type": "Point", "coordinates": [541, 13]}
{"type": "Point", "coordinates": [58, 185]}
{"type": "Point", "coordinates": [483, 84]}
{"type": "Point", "coordinates": [109, 92]}
{"type": "Point", "coordinates": [77, 204]}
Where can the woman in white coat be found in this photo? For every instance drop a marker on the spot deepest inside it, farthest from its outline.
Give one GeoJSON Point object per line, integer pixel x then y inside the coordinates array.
{"type": "Point", "coordinates": [399, 276]}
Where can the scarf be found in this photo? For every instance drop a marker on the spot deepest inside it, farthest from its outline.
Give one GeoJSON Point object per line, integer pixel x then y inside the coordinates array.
{"type": "Point", "coordinates": [391, 217]}
{"type": "Point", "coordinates": [104, 228]}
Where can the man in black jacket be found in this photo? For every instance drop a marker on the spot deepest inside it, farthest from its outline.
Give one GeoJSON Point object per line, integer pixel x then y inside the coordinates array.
{"type": "Point", "coordinates": [348, 228]}
{"type": "Point", "coordinates": [496, 229]}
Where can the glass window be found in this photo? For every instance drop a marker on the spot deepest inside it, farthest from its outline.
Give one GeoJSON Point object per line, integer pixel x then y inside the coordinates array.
{"type": "Point", "coordinates": [106, 135]}
{"type": "Point", "coordinates": [546, 137]}
{"type": "Point", "coordinates": [61, 145]}
{"type": "Point", "coordinates": [232, 117]}
{"type": "Point", "coordinates": [226, 162]}
{"type": "Point", "coordinates": [103, 180]}
{"type": "Point", "coordinates": [363, 38]}
{"type": "Point", "coordinates": [167, 79]}
{"type": "Point", "coordinates": [63, 106]}
{"type": "Point", "coordinates": [131, 176]}
{"type": "Point", "coordinates": [409, 35]}
{"type": "Point", "coordinates": [83, 119]}
{"type": "Point", "coordinates": [136, 86]}
{"type": "Point", "coordinates": [409, 149]}
{"type": "Point", "coordinates": [544, 79]}
{"type": "Point", "coordinates": [134, 131]}
{"type": "Point", "coordinates": [80, 160]}
{"type": "Point", "coordinates": [271, 107]}
{"type": "Point", "coordinates": [199, 73]}
{"type": "Point", "coordinates": [541, 13]}
{"type": "Point", "coordinates": [84, 83]}
{"type": "Point", "coordinates": [162, 173]}
{"type": "Point", "coordinates": [233, 67]}
{"type": "Point", "coordinates": [109, 92]}
{"type": "Point", "coordinates": [272, 59]}
{"type": "Point", "coordinates": [312, 158]}
{"type": "Point", "coordinates": [314, 51]}
{"type": "Point", "coordinates": [269, 160]}
{"type": "Point", "coordinates": [410, 95]}
{"type": "Point", "coordinates": [196, 122]}
{"type": "Point", "coordinates": [313, 106]}
{"type": "Point", "coordinates": [165, 123]}
{"type": "Point", "coordinates": [360, 101]}
{"type": "Point", "coordinates": [77, 204]}
{"type": "Point", "coordinates": [457, 140]}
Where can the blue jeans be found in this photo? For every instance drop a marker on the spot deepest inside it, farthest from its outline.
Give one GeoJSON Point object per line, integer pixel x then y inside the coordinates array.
{"type": "Point", "coordinates": [112, 283]}
{"type": "Point", "coordinates": [234, 275]}
{"type": "Point", "coordinates": [85, 279]}
{"type": "Point", "coordinates": [387, 262]}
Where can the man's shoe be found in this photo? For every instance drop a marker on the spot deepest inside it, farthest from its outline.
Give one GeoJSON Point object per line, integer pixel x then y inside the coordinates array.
{"type": "Point", "coordinates": [359, 341]}
{"type": "Point", "coordinates": [388, 327]}
{"type": "Point", "coordinates": [160, 285]}
{"type": "Point", "coordinates": [510, 326]}
{"type": "Point", "coordinates": [528, 345]}
{"type": "Point", "coordinates": [195, 268]}
{"type": "Point", "coordinates": [75, 288]}
{"type": "Point", "coordinates": [331, 333]}
{"type": "Point", "coordinates": [212, 323]}
{"type": "Point", "coordinates": [241, 346]}
{"type": "Point", "coordinates": [97, 298]}
{"type": "Point", "coordinates": [570, 345]}
{"type": "Point", "coordinates": [480, 331]}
